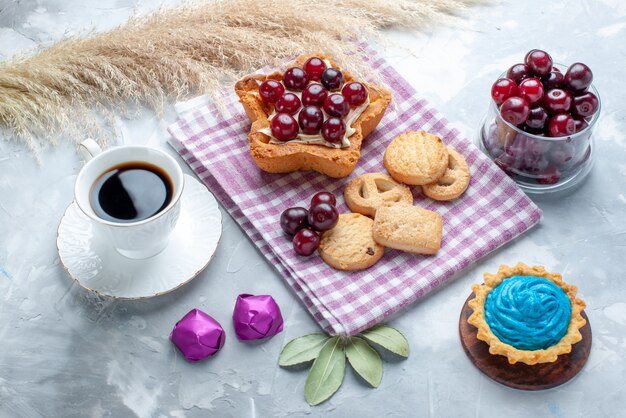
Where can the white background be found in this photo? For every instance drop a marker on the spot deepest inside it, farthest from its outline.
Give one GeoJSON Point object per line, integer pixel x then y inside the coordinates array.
{"type": "Point", "coordinates": [64, 353]}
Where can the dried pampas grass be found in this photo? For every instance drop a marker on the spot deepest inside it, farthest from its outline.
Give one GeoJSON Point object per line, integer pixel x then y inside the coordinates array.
{"type": "Point", "coordinates": [190, 49]}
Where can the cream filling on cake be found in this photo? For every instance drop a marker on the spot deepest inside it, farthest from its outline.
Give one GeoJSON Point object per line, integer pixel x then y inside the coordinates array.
{"type": "Point", "coordinates": [318, 139]}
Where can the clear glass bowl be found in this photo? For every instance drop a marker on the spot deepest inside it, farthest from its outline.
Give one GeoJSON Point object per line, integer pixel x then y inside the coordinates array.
{"type": "Point", "coordinates": [538, 164]}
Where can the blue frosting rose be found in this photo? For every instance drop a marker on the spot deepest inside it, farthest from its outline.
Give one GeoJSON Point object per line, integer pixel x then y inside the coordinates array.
{"type": "Point", "coordinates": [528, 312]}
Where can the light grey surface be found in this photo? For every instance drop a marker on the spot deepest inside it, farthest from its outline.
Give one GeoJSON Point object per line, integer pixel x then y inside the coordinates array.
{"type": "Point", "coordinates": [66, 353]}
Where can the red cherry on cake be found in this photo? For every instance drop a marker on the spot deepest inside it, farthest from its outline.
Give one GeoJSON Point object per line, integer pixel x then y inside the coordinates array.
{"type": "Point", "coordinates": [305, 242]}
{"type": "Point", "coordinates": [311, 119]}
{"type": "Point", "coordinates": [314, 67]}
{"type": "Point", "coordinates": [515, 110]}
{"type": "Point", "coordinates": [502, 89]}
{"type": "Point", "coordinates": [323, 197]}
{"type": "Point", "coordinates": [585, 105]}
{"type": "Point", "coordinates": [333, 130]}
{"type": "Point", "coordinates": [355, 93]}
{"type": "Point", "coordinates": [294, 219]}
{"type": "Point", "coordinates": [314, 94]}
{"type": "Point", "coordinates": [561, 124]}
{"type": "Point", "coordinates": [323, 216]}
{"type": "Point", "coordinates": [284, 127]}
{"type": "Point", "coordinates": [271, 90]}
{"type": "Point", "coordinates": [288, 103]}
{"type": "Point", "coordinates": [578, 77]}
{"type": "Point", "coordinates": [295, 79]}
{"type": "Point", "coordinates": [554, 80]}
{"type": "Point", "coordinates": [531, 89]}
{"type": "Point", "coordinates": [557, 101]}
{"type": "Point", "coordinates": [518, 72]}
{"type": "Point", "coordinates": [537, 118]}
{"type": "Point", "coordinates": [332, 79]}
{"type": "Point", "coordinates": [539, 62]}
{"type": "Point", "coordinates": [336, 105]}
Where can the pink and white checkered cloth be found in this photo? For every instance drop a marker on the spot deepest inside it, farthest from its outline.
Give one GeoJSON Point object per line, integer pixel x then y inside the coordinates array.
{"type": "Point", "coordinates": [493, 210]}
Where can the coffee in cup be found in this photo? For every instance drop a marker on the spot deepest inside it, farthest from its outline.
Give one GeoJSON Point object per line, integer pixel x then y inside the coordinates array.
{"type": "Point", "coordinates": [132, 194]}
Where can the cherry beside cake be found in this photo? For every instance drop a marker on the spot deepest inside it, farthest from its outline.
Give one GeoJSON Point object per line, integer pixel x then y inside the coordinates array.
{"type": "Point", "coordinates": [542, 129]}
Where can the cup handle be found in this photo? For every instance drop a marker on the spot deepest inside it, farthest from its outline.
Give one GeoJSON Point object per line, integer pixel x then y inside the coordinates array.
{"type": "Point", "coordinates": [89, 149]}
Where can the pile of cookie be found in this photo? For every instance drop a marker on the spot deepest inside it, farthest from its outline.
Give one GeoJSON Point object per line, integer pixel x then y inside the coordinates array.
{"type": "Point", "coordinates": [383, 214]}
{"type": "Point", "coordinates": [382, 205]}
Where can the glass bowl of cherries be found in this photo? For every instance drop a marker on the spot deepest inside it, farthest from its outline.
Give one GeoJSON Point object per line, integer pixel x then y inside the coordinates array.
{"type": "Point", "coordinates": [540, 123]}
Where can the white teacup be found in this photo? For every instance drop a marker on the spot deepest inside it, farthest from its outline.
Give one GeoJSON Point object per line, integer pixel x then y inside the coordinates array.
{"type": "Point", "coordinates": [144, 238]}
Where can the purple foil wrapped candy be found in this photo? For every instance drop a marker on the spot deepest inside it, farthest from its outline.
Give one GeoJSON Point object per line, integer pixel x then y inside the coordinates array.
{"type": "Point", "coordinates": [256, 317]}
{"type": "Point", "coordinates": [198, 335]}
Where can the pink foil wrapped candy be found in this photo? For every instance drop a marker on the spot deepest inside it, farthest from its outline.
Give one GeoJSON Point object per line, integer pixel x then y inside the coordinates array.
{"type": "Point", "coordinates": [256, 317]}
{"type": "Point", "coordinates": [198, 335]}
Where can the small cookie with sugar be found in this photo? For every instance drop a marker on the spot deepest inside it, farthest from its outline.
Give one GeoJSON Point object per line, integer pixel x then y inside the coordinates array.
{"type": "Point", "coordinates": [350, 245]}
{"type": "Point", "coordinates": [416, 158]}
{"type": "Point", "coordinates": [408, 228]}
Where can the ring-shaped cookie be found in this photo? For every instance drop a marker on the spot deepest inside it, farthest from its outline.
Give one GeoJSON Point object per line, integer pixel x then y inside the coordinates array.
{"type": "Point", "coordinates": [453, 182]}
{"type": "Point", "coordinates": [366, 193]}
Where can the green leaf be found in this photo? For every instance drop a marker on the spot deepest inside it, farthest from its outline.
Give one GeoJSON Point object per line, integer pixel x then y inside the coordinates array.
{"type": "Point", "coordinates": [389, 338]}
{"type": "Point", "coordinates": [302, 349]}
{"type": "Point", "coordinates": [365, 361]}
{"type": "Point", "coordinates": [326, 375]}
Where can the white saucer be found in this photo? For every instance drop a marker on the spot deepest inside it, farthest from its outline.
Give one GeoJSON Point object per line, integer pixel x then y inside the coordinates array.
{"type": "Point", "coordinates": [90, 259]}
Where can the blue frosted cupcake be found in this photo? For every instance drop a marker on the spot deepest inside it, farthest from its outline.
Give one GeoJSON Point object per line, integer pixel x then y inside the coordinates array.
{"type": "Point", "coordinates": [527, 314]}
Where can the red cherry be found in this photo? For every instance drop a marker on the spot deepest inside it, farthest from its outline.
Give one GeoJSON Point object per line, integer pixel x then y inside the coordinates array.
{"type": "Point", "coordinates": [271, 90]}
{"type": "Point", "coordinates": [534, 163]}
{"type": "Point", "coordinates": [294, 219]}
{"type": "Point", "coordinates": [554, 80]}
{"type": "Point", "coordinates": [314, 94]}
{"type": "Point", "coordinates": [561, 153]}
{"type": "Point", "coordinates": [324, 197]}
{"type": "Point", "coordinates": [539, 62]}
{"type": "Point", "coordinates": [311, 119]}
{"type": "Point", "coordinates": [557, 101]}
{"type": "Point", "coordinates": [284, 127]}
{"type": "Point", "coordinates": [355, 93]}
{"type": "Point", "coordinates": [550, 175]}
{"type": "Point", "coordinates": [561, 124]}
{"type": "Point", "coordinates": [580, 124]}
{"type": "Point", "coordinates": [333, 130]}
{"type": "Point", "coordinates": [314, 67]}
{"type": "Point", "coordinates": [332, 79]}
{"type": "Point", "coordinates": [288, 103]}
{"type": "Point", "coordinates": [295, 79]}
{"type": "Point", "coordinates": [537, 118]}
{"type": "Point", "coordinates": [305, 242]}
{"type": "Point", "coordinates": [502, 89]}
{"type": "Point", "coordinates": [537, 146]}
{"type": "Point", "coordinates": [578, 77]}
{"type": "Point", "coordinates": [515, 110]}
{"type": "Point", "coordinates": [585, 105]}
{"type": "Point", "coordinates": [336, 105]}
{"type": "Point", "coordinates": [518, 72]}
{"type": "Point", "coordinates": [531, 89]}
{"type": "Point", "coordinates": [323, 216]}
